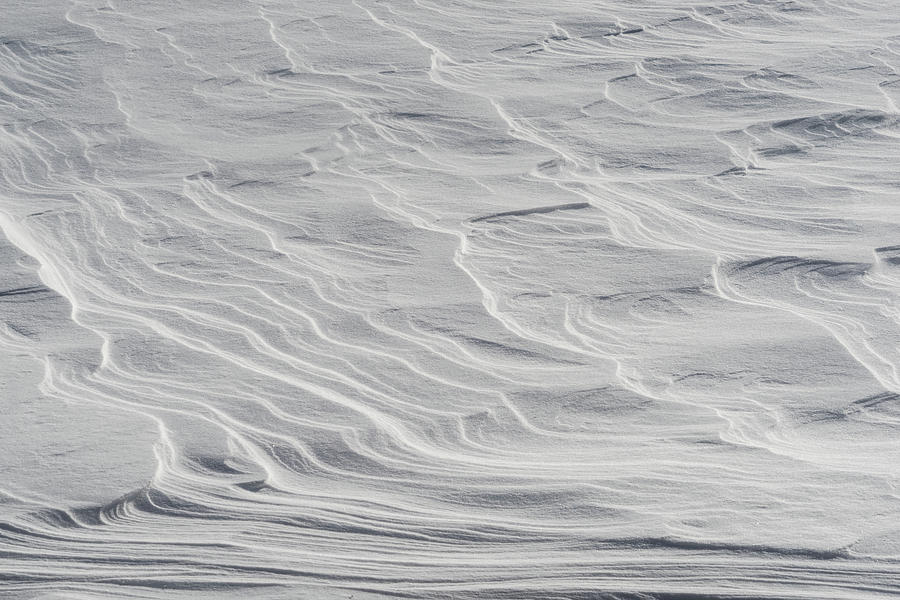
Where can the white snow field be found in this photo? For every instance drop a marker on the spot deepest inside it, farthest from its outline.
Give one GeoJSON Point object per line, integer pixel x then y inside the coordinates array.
{"type": "Point", "coordinates": [450, 299]}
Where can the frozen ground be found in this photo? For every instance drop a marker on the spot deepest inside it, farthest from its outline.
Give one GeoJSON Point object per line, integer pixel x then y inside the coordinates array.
{"type": "Point", "coordinates": [459, 299]}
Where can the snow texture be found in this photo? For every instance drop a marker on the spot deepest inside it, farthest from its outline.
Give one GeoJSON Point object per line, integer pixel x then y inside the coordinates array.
{"type": "Point", "coordinates": [449, 299]}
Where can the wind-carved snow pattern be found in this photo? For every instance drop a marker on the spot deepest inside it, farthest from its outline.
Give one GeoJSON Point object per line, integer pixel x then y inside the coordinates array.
{"type": "Point", "coordinates": [455, 299]}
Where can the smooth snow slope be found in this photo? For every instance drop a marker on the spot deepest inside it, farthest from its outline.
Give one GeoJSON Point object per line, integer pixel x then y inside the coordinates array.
{"type": "Point", "coordinates": [457, 299]}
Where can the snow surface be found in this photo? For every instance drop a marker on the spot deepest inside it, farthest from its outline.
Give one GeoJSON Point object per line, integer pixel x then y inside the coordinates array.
{"type": "Point", "coordinates": [456, 299]}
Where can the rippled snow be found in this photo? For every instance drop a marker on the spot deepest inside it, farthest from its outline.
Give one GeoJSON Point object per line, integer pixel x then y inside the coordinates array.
{"type": "Point", "coordinates": [453, 299]}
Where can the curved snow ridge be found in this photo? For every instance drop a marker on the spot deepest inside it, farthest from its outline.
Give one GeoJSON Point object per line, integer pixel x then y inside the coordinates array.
{"type": "Point", "coordinates": [506, 300]}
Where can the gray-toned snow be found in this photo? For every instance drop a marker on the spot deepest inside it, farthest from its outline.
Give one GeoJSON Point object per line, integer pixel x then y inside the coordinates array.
{"type": "Point", "coordinates": [458, 299]}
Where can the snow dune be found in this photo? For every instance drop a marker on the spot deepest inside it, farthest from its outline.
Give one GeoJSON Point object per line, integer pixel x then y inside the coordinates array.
{"type": "Point", "coordinates": [366, 299]}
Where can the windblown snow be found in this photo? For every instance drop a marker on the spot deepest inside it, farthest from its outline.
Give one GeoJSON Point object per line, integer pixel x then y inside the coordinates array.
{"type": "Point", "coordinates": [459, 299]}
